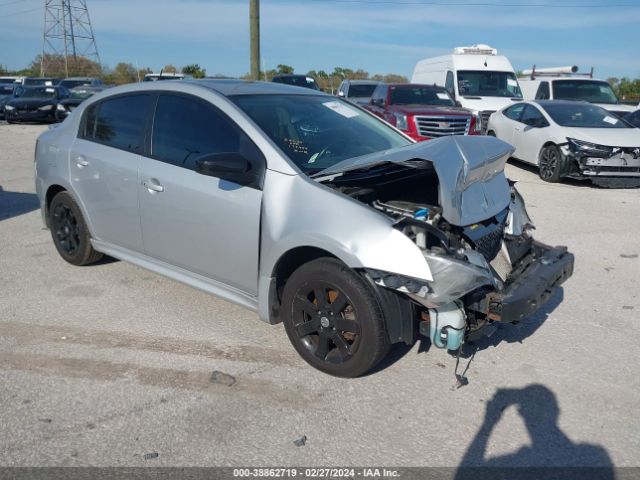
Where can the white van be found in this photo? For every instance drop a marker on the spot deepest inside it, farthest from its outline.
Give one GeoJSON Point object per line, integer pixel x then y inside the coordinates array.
{"type": "Point", "coordinates": [564, 83]}
{"type": "Point", "coordinates": [476, 77]}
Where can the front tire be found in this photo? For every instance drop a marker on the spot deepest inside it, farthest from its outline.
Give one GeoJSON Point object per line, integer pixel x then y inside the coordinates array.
{"type": "Point", "coordinates": [69, 231]}
{"type": "Point", "coordinates": [550, 164]}
{"type": "Point", "coordinates": [333, 319]}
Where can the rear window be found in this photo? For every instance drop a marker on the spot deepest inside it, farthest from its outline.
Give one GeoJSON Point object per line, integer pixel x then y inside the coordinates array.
{"type": "Point", "coordinates": [118, 122]}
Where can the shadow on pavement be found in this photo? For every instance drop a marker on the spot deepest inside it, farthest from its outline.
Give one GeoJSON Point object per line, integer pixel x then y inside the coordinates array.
{"type": "Point", "coordinates": [551, 453]}
{"type": "Point", "coordinates": [13, 204]}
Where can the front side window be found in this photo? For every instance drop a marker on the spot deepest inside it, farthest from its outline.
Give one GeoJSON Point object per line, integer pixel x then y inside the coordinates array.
{"type": "Point", "coordinates": [379, 94]}
{"type": "Point", "coordinates": [185, 129]}
{"type": "Point", "coordinates": [118, 122]}
{"type": "Point", "coordinates": [448, 84]}
{"type": "Point", "coordinates": [532, 116]}
{"type": "Point", "coordinates": [543, 91]}
{"type": "Point", "coordinates": [39, 92]}
{"type": "Point", "coordinates": [480, 83]}
{"type": "Point", "coordinates": [593, 91]}
{"type": "Point", "coordinates": [317, 131]}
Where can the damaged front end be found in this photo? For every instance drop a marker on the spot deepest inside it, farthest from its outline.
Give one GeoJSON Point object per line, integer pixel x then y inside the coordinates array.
{"type": "Point", "coordinates": [471, 225]}
{"type": "Point", "coordinates": [605, 166]}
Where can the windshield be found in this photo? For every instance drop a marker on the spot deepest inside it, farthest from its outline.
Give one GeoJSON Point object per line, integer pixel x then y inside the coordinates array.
{"type": "Point", "coordinates": [488, 84]}
{"type": "Point", "coordinates": [75, 83]}
{"type": "Point", "coordinates": [362, 90]}
{"type": "Point", "coordinates": [583, 115]}
{"type": "Point", "coordinates": [81, 94]}
{"type": "Point", "coordinates": [38, 81]}
{"type": "Point", "coordinates": [316, 132]}
{"type": "Point", "coordinates": [38, 92]}
{"type": "Point", "coordinates": [415, 95]}
{"type": "Point", "coordinates": [594, 91]}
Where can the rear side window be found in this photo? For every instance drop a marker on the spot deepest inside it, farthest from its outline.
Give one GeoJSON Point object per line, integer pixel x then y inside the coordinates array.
{"type": "Point", "coordinates": [118, 122]}
{"type": "Point", "coordinates": [514, 112]}
{"type": "Point", "coordinates": [186, 128]}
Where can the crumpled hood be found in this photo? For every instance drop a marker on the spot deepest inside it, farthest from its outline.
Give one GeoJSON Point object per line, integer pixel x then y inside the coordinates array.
{"type": "Point", "coordinates": [470, 169]}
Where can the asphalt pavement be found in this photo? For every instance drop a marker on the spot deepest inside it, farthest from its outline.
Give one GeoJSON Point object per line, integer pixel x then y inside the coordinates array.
{"type": "Point", "coordinates": [111, 365]}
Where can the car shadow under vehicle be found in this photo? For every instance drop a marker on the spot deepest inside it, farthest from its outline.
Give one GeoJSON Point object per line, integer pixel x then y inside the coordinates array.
{"type": "Point", "coordinates": [14, 204]}
{"type": "Point", "coordinates": [575, 182]}
{"type": "Point", "coordinates": [502, 333]}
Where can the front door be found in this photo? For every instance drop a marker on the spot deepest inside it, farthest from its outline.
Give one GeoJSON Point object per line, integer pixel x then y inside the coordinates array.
{"type": "Point", "coordinates": [203, 224]}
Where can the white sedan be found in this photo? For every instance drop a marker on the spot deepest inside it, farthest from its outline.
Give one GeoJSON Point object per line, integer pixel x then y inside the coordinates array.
{"type": "Point", "coordinates": [571, 139]}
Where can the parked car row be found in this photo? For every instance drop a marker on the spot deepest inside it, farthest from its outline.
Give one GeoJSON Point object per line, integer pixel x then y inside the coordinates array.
{"type": "Point", "coordinates": [43, 99]}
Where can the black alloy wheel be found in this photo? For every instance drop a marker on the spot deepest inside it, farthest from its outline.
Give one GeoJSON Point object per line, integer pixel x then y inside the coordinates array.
{"type": "Point", "coordinates": [549, 164]}
{"type": "Point", "coordinates": [333, 319]}
{"type": "Point", "coordinates": [69, 231]}
{"type": "Point", "coordinates": [327, 324]}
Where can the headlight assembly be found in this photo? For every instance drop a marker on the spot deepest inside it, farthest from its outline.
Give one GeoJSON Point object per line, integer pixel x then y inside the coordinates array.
{"type": "Point", "coordinates": [61, 108]}
{"type": "Point", "coordinates": [591, 149]}
{"type": "Point", "coordinates": [45, 108]}
{"type": "Point", "coordinates": [9, 107]}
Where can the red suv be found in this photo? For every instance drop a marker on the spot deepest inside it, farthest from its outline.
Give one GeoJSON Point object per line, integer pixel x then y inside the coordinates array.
{"type": "Point", "coordinates": [422, 111]}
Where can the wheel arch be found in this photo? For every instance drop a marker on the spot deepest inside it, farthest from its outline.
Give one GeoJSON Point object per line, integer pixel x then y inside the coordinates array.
{"type": "Point", "coordinates": [398, 311]}
{"type": "Point", "coordinates": [52, 191]}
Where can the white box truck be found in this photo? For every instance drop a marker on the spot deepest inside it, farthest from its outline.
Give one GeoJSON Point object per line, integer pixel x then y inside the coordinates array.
{"type": "Point", "coordinates": [476, 77]}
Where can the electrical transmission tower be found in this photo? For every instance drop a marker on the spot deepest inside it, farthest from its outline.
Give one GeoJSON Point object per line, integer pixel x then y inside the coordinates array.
{"type": "Point", "coordinates": [68, 35]}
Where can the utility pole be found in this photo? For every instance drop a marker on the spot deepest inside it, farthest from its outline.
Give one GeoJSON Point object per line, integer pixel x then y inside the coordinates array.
{"type": "Point", "coordinates": [254, 29]}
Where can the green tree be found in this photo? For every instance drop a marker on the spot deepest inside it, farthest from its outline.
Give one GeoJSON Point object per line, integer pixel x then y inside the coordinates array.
{"type": "Point", "coordinates": [282, 69]}
{"type": "Point", "coordinates": [169, 68]}
{"type": "Point", "coordinates": [194, 70]}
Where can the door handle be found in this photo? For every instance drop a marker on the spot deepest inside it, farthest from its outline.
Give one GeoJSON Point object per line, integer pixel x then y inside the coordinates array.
{"type": "Point", "coordinates": [81, 162]}
{"type": "Point", "coordinates": [153, 186]}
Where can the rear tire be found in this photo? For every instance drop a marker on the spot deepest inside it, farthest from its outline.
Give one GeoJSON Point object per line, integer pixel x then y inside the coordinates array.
{"type": "Point", "coordinates": [550, 164]}
{"type": "Point", "coordinates": [69, 231]}
{"type": "Point", "coordinates": [333, 319]}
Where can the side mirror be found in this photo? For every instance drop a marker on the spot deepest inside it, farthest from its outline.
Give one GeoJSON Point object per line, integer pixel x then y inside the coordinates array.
{"type": "Point", "coordinates": [341, 93]}
{"type": "Point", "coordinates": [377, 101]}
{"type": "Point", "coordinates": [230, 166]}
{"type": "Point", "coordinates": [458, 104]}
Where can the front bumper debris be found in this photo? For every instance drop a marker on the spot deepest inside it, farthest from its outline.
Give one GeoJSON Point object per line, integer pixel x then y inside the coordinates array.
{"type": "Point", "coordinates": [531, 283]}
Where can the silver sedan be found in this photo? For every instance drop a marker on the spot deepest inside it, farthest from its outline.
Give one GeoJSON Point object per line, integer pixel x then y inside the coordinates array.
{"type": "Point", "coordinates": [302, 207]}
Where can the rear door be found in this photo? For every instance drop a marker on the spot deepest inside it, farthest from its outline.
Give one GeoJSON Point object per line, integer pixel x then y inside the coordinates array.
{"type": "Point", "coordinates": [104, 167]}
{"type": "Point", "coordinates": [203, 224]}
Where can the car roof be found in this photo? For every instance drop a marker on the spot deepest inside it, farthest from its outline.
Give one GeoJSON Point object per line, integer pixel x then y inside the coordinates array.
{"type": "Point", "coordinates": [80, 78]}
{"type": "Point", "coordinates": [421, 85]}
{"type": "Point", "coordinates": [544, 103]}
{"type": "Point", "coordinates": [250, 87]}
{"type": "Point", "coordinates": [364, 82]}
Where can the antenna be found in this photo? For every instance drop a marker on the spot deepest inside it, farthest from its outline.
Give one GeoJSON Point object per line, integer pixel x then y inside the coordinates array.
{"type": "Point", "coordinates": [67, 34]}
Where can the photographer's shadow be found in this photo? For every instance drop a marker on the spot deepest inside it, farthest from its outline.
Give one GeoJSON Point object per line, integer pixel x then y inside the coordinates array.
{"type": "Point", "coordinates": [551, 453]}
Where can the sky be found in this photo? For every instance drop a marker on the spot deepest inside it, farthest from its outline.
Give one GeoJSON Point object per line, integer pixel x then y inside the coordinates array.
{"type": "Point", "coordinates": [379, 36]}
